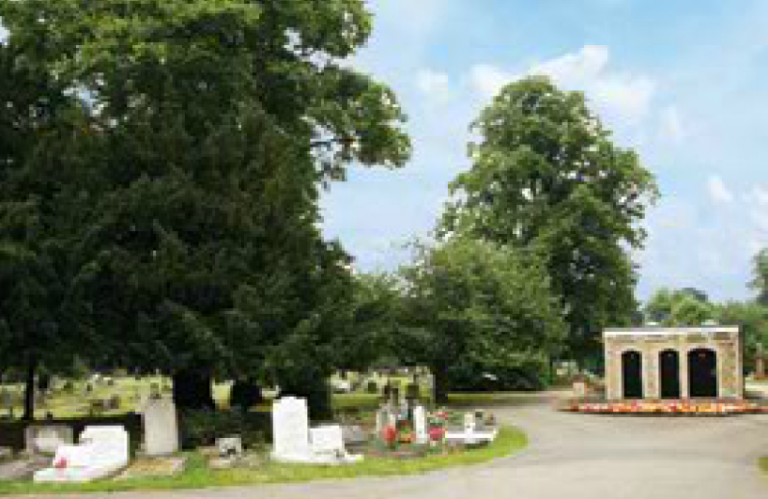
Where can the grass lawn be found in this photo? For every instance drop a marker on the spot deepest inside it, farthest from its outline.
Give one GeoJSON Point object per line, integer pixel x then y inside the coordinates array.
{"type": "Point", "coordinates": [198, 475]}
{"type": "Point", "coordinates": [763, 463]}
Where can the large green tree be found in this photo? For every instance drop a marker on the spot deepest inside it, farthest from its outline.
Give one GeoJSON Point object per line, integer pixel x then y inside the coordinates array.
{"type": "Point", "coordinates": [215, 125]}
{"type": "Point", "coordinates": [42, 185]}
{"type": "Point", "coordinates": [474, 306]}
{"type": "Point", "coordinates": [547, 177]}
{"type": "Point", "coordinates": [680, 307]}
{"type": "Point", "coordinates": [752, 317]}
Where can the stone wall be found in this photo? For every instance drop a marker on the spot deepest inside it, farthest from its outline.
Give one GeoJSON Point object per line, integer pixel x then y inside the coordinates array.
{"type": "Point", "coordinates": [726, 345]}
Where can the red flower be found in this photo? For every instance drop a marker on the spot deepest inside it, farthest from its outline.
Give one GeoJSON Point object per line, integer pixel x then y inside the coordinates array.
{"type": "Point", "coordinates": [389, 435]}
{"type": "Point", "coordinates": [436, 434]}
{"type": "Point", "coordinates": [61, 463]}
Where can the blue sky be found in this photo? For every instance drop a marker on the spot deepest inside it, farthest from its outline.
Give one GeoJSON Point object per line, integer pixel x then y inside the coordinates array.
{"type": "Point", "coordinates": [681, 82]}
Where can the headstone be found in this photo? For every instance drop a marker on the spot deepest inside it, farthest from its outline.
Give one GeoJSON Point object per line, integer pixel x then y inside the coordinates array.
{"type": "Point", "coordinates": [230, 447]}
{"type": "Point", "coordinates": [290, 429]}
{"type": "Point", "coordinates": [103, 451]}
{"type": "Point", "coordinates": [354, 435]}
{"type": "Point", "coordinates": [470, 424]}
{"type": "Point", "coordinates": [327, 440]}
{"type": "Point", "coordinates": [161, 427]}
{"type": "Point", "coordinates": [470, 435]}
{"type": "Point", "coordinates": [420, 425]}
{"type": "Point", "coordinates": [291, 433]}
{"type": "Point", "coordinates": [46, 439]}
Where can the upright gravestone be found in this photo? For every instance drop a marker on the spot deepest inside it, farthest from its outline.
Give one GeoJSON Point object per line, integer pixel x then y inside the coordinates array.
{"type": "Point", "coordinates": [470, 424]}
{"type": "Point", "coordinates": [47, 439]}
{"type": "Point", "coordinates": [420, 425]}
{"type": "Point", "coordinates": [161, 427]}
{"type": "Point", "coordinates": [290, 429]}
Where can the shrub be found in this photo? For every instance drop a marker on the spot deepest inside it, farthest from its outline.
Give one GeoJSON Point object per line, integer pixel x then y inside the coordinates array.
{"type": "Point", "coordinates": [412, 391]}
{"type": "Point", "coordinates": [372, 387]}
{"type": "Point", "coordinates": [202, 428]}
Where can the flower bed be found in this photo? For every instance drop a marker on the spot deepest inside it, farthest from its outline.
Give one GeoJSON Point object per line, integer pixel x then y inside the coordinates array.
{"type": "Point", "coordinates": [666, 408]}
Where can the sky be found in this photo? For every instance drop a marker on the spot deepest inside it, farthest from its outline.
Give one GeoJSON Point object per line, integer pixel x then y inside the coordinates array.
{"type": "Point", "coordinates": [680, 82]}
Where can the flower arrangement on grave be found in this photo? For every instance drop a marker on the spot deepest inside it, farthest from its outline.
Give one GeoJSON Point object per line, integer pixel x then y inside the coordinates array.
{"type": "Point", "coordinates": [389, 436]}
{"type": "Point", "coordinates": [436, 434]}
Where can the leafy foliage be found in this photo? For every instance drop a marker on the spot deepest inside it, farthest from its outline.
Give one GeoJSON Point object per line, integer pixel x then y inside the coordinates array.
{"type": "Point", "coordinates": [546, 177]}
{"type": "Point", "coordinates": [473, 306]}
{"type": "Point", "coordinates": [203, 132]}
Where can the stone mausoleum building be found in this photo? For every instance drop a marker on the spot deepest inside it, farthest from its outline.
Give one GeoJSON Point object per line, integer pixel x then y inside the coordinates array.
{"type": "Point", "coordinates": [674, 363]}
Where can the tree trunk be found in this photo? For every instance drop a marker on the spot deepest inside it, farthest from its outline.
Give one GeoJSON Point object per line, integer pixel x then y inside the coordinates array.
{"type": "Point", "coordinates": [440, 388]}
{"type": "Point", "coordinates": [193, 390]}
{"type": "Point", "coordinates": [29, 390]}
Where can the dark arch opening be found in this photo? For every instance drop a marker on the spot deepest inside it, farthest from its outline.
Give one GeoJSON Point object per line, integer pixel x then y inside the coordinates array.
{"type": "Point", "coordinates": [669, 372]}
{"type": "Point", "coordinates": [702, 373]}
{"type": "Point", "coordinates": [632, 374]}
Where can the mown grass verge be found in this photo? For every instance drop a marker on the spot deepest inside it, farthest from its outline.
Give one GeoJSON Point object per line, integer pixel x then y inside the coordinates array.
{"type": "Point", "coordinates": [198, 476]}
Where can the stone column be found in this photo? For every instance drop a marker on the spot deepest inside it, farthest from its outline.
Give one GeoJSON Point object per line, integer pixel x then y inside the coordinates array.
{"type": "Point", "coordinates": [651, 374]}
{"type": "Point", "coordinates": [685, 391]}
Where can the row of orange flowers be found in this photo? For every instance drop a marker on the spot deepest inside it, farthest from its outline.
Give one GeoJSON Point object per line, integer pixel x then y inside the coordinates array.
{"type": "Point", "coordinates": [676, 407]}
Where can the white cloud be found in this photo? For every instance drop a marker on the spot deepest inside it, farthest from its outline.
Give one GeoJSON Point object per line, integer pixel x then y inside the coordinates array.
{"type": "Point", "coordinates": [759, 195]}
{"type": "Point", "coordinates": [488, 80]}
{"type": "Point", "coordinates": [622, 96]}
{"type": "Point", "coordinates": [434, 84]}
{"type": "Point", "coordinates": [671, 127]}
{"type": "Point", "coordinates": [718, 191]}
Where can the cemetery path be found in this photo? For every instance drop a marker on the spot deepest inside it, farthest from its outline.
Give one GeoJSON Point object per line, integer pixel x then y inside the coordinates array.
{"type": "Point", "coordinates": [571, 456]}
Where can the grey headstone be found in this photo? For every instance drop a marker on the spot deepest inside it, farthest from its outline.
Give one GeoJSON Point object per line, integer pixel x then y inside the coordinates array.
{"type": "Point", "coordinates": [46, 439]}
{"type": "Point", "coordinates": [161, 427]}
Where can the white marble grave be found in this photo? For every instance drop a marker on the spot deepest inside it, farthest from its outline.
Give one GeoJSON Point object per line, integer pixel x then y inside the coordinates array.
{"type": "Point", "coordinates": [161, 427]}
{"type": "Point", "coordinates": [294, 441]}
{"type": "Point", "coordinates": [420, 425]}
{"type": "Point", "coordinates": [103, 451]}
{"type": "Point", "coordinates": [470, 434]}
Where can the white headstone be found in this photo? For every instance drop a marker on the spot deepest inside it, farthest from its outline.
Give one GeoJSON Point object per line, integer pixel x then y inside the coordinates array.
{"type": "Point", "coordinates": [469, 422]}
{"type": "Point", "coordinates": [327, 440]}
{"type": "Point", "coordinates": [290, 429]}
{"type": "Point", "coordinates": [420, 425]}
{"type": "Point", "coordinates": [161, 427]}
{"type": "Point", "coordinates": [103, 451]}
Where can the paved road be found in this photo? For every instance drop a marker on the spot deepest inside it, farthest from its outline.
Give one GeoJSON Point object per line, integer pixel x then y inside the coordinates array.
{"type": "Point", "coordinates": [572, 457]}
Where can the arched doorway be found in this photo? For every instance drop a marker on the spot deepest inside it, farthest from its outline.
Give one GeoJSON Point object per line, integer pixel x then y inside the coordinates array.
{"type": "Point", "coordinates": [702, 373]}
{"type": "Point", "coordinates": [669, 374]}
{"type": "Point", "coordinates": [632, 374]}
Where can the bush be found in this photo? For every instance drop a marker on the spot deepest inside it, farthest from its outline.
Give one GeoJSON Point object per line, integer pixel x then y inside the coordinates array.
{"type": "Point", "coordinates": [530, 374]}
{"type": "Point", "coordinates": [202, 428]}
{"type": "Point", "coordinates": [372, 387]}
{"type": "Point", "coordinates": [412, 391]}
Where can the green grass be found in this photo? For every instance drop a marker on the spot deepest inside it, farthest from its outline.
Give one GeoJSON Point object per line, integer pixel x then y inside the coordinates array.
{"type": "Point", "coordinates": [198, 476]}
{"type": "Point", "coordinates": [763, 463]}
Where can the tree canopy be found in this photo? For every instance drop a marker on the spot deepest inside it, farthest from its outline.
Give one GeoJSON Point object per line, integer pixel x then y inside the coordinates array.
{"type": "Point", "coordinates": [209, 129]}
{"type": "Point", "coordinates": [475, 307]}
{"type": "Point", "coordinates": [546, 177]}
